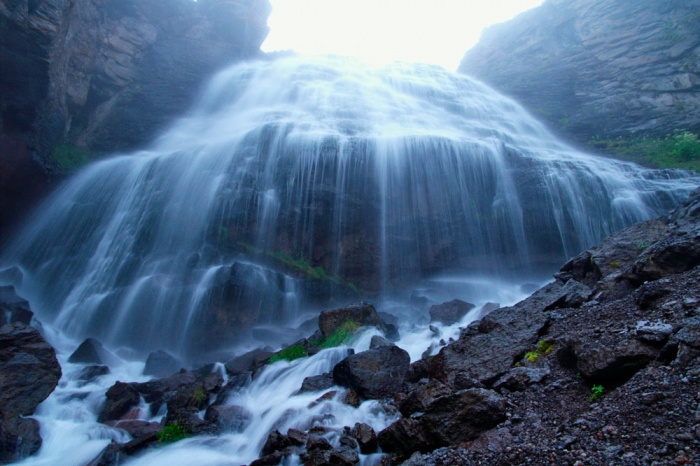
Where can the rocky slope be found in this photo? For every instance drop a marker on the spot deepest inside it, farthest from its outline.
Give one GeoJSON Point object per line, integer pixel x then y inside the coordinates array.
{"type": "Point", "coordinates": [84, 78]}
{"type": "Point", "coordinates": [598, 68]}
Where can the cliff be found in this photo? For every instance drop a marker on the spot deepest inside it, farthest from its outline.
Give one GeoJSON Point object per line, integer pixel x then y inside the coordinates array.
{"type": "Point", "coordinates": [80, 79]}
{"type": "Point", "coordinates": [603, 68]}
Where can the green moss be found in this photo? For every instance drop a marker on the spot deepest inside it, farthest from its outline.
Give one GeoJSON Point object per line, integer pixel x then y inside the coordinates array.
{"type": "Point", "coordinates": [172, 433]}
{"type": "Point", "coordinates": [614, 265]}
{"type": "Point", "coordinates": [288, 354]}
{"type": "Point", "coordinates": [680, 150]}
{"type": "Point", "coordinates": [198, 397]}
{"type": "Point", "coordinates": [341, 335]}
{"type": "Point", "coordinates": [597, 392]}
{"type": "Point", "coordinates": [532, 356]}
{"type": "Point", "coordinates": [69, 157]}
{"type": "Point", "coordinates": [544, 347]}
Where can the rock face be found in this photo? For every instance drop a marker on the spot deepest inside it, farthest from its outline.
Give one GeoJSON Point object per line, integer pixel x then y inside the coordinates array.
{"type": "Point", "coordinates": [29, 372]}
{"type": "Point", "coordinates": [85, 78]}
{"type": "Point", "coordinates": [375, 373]}
{"type": "Point", "coordinates": [598, 68]}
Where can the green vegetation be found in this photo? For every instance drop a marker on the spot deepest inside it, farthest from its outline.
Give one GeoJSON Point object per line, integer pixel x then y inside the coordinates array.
{"type": "Point", "coordinates": [544, 347]}
{"type": "Point", "coordinates": [681, 150]}
{"type": "Point", "coordinates": [597, 392]}
{"type": "Point", "coordinates": [69, 157]}
{"type": "Point", "coordinates": [172, 433]}
{"type": "Point", "coordinates": [614, 264]}
{"type": "Point", "coordinates": [289, 354]}
{"type": "Point", "coordinates": [298, 265]}
{"type": "Point", "coordinates": [198, 397]}
{"type": "Point", "coordinates": [339, 337]}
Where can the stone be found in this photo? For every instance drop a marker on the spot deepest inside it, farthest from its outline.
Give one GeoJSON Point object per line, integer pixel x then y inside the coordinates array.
{"type": "Point", "coordinates": [656, 333]}
{"type": "Point", "coordinates": [137, 428]}
{"type": "Point", "coordinates": [121, 398]}
{"type": "Point", "coordinates": [404, 437]}
{"type": "Point", "coordinates": [29, 370]}
{"type": "Point", "coordinates": [378, 341]}
{"type": "Point", "coordinates": [161, 364]}
{"type": "Point", "coordinates": [366, 438]}
{"type": "Point", "coordinates": [317, 383]}
{"type": "Point", "coordinates": [276, 442]}
{"type": "Point", "coordinates": [519, 378]}
{"type": "Point", "coordinates": [611, 365]}
{"type": "Point", "coordinates": [228, 418]}
{"type": "Point", "coordinates": [364, 314]}
{"type": "Point", "coordinates": [91, 351]}
{"type": "Point", "coordinates": [376, 373]}
{"type": "Point", "coordinates": [248, 362]}
{"type": "Point", "coordinates": [450, 312]}
{"type": "Point", "coordinates": [19, 438]}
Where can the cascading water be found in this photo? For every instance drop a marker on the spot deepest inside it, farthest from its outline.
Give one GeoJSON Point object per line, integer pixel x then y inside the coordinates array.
{"type": "Point", "coordinates": [295, 182]}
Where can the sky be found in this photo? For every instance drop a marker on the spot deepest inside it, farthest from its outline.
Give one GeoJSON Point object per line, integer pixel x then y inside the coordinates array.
{"type": "Point", "coordinates": [381, 31]}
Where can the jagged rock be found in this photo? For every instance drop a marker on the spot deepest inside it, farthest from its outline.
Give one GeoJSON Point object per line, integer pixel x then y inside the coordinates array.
{"type": "Point", "coordinates": [29, 370]}
{"type": "Point", "coordinates": [376, 373]}
{"type": "Point", "coordinates": [19, 437]}
{"type": "Point", "coordinates": [161, 364]}
{"type": "Point", "coordinates": [13, 308]}
{"type": "Point", "coordinates": [319, 452]}
{"type": "Point", "coordinates": [91, 351]}
{"type": "Point", "coordinates": [421, 396]}
{"type": "Point", "coordinates": [121, 398]}
{"type": "Point", "coordinates": [297, 437]}
{"type": "Point", "coordinates": [189, 419]}
{"type": "Point", "coordinates": [378, 341]}
{"type": "Point", "coordinates": [248, 362]}
{"type": "Point", "coordinates": [611, 365]}
{"type": "Point", "coordinates": [276, 442]}
{"type": "Point", "coordinates": [317, 383]}
{"type": "Point", "coordinates": [366, 438]}
{"type": "Point", "coordinates": [157, 392]}
{"type": "Point", "coordinates": [111, 455]}
{"type": "Point", "coordinates": [450, 312]}
{"type": "Point", "coordinates": [604, 68]}
{"type": "Point", "coordinates": [228, 417]}
{"type": "Point", "coordinates": [488, 348]}
{"type": "Point", "coordinates": [519, 378]}
{"type": "Point", "coordinates": [90, 373]}
{"type": "Point", "coordinates": [273, 459]}
{"type": "Point", "coordinates": [690, 333]}
{"type": "Point", "coordinates": [137, 428]}
{"type": "Point", "coordinates": [656, 333]}
{"type": "Point", "coordinates": [364, 314]}
{"type": "Point", "coordinates": [404, 437]}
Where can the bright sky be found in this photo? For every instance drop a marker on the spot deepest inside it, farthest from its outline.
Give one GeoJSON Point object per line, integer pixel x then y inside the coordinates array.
{"type": "Point", "coordinates": [381, 31]}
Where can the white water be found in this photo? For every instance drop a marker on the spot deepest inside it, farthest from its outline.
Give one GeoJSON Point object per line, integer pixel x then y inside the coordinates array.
{"type": "Point", "coordinates": [413, 183]}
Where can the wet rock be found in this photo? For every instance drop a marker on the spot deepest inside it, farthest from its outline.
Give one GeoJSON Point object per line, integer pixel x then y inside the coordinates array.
{"type": "Point", "coordinates": [463, 416]}
{"type": "Point", "coordinates": [276, 442]}
{"type": "Point", "coordinates": [121, 398]}
{"type": "Point", "coordinates": [519, 378]}
{"type": "Point", "coordinates": [111, 455]}
{"type": "Point", "coordinates": [189, 419]}
{"type": "Point", "coordinates": [19, 437]}
{"type": "Point", "coordinates": [138, 428]}
{"type": "Point", "coordinates": [161, 364]}
{"type": "Point", "coordinates": [248, 362]}
{"type": "Point", "coordinates": [450, 312]}
{"type": "Point", "coordinates": [317, 383]}
{"type": "Point", "coordinates": [421, 396]}
{"type": "Point", "coordinates": [655, 333]}
{"type": "Point", "coordinates": [13, 308]}
{"type": "Point", "coordinates": [364, 314]}
{"type": "Point", "coordinates": [29, 370]}
{"type": "Point", "coordinates": [366, 438]}
{"type": "Point", "coordinates": [228, 417]}
{"type": "Point", "coordinates": [297, 437]}
{"type": "Point", "coordinates": [403, 437]}
{"type": "Point", "coordinates": [91, 351]}
{"type": "Point", "coordinates": [378, 341]}
{"type": "Point", "coordinates": [418, 370]}
{"type": "Point", "coordinates": [611, 365]}
{"type": "Point", "coordinates": [273, 459]}
{"type": "Point", "coordinates": [376, 373]}
{"type": "Point", "coordinates": [90, 373]}
{"type": "Point", "coordinates": [690, 333]}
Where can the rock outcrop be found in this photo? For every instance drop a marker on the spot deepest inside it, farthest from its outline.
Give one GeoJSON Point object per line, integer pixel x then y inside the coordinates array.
{"type": "Point", "coordinates": [84, 78]}
{"type": "Point", "coordinates": [598, 68]}
{"type": "Point", "coordinates": [29, 372]}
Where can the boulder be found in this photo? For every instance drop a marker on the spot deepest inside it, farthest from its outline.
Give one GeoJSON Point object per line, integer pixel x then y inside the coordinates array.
{"type": "Point", "coordinates": [317, 383]}
{"type": "Point", "coordinates": [89, 373]}
{"type": "Point", "coordinates": [91, 351]}
{"type": "Point", "coordinates": [450, 312]}
{"type": "Point", "coordinates": [161, 364]}
{"type": "Point", "coordinates": [378, 341]}
{"type": "Point", "coordinates": [137, 428]}
{"type": "Point", "coordinates": [228, 417]}
{"type": "Point", "coordinates": [121, 398]}
{"type": "Point", "coordinates": [363, 314]}
{"type": "Point", "coordinates": [29, 370]}
{"type": "Point", "coordinates": [248, 362]}
{"type": "Point", "coordinates": [13, 308]}
{"type": "Point", "coordinates": [276, 442]}
{"type": "Point", "coordinates": [519, 378]}
{"type": "Point", "coordinates": [403, 437]}
{"type": "Point", "coordinates": [366, 438]}
{"type": "Point", "coordinates": [614, 364]}
{"type": "Point", "coordinates": [19, 438]}
{"type": "Point", "coordinates": [376, 373]}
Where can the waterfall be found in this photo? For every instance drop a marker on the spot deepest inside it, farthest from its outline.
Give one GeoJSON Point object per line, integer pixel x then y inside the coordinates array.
{"type": "Point", "coordinates": [297, 183]}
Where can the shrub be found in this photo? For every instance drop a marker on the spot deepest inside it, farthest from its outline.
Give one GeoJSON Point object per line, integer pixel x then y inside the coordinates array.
{"type": "Point", "coordinates": [597, 392]}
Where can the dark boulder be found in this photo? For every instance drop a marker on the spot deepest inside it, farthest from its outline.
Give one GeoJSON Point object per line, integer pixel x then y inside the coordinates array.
{"type": "Point", "coordinates": [137, 428]}
{"type": "Point", "coordinates": [317, 383]}
{"type": "Point", "coordinates": [161, 364]}
{"type": "Point", "coordinates": [421, 396]}
{"type": "Point", "coordinates": [450, 312]}
{"type": "Point", "coordinates": [248, 362]}
{"type": "Point", "coordinates": [363, 314]}
{"type": "Point", "coordinates": [613, 364]}
{"type": "Point", "coordinates": [276, 442]}
{"type": "Point", "coordinates": [121, 398]}
{"type": "Point", "coordinates": [376, 373]}
{"type": "Point", "coordinates": [89, 373]}
{"type": "Point", "coordinates": [378, 341]}
{"type": "Point", "coordinates": [403, 437]}
{"type": "Point", "coordinates": [463, 416]}
{"type": "Point", "coordinates": [13, 308]}
{"type": "Point", "coordinates": [366, 438]}
{"type": "Point", "coordinates": [29, 370]}
{"type": "Point", "coordinates": [519, 378]}
{"type": "Point", "coordinates": [228, 417]}
{"type": "Point", "coordinates": [91, 351]}
{"type": "Point", "coordinates": [19, 438]}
